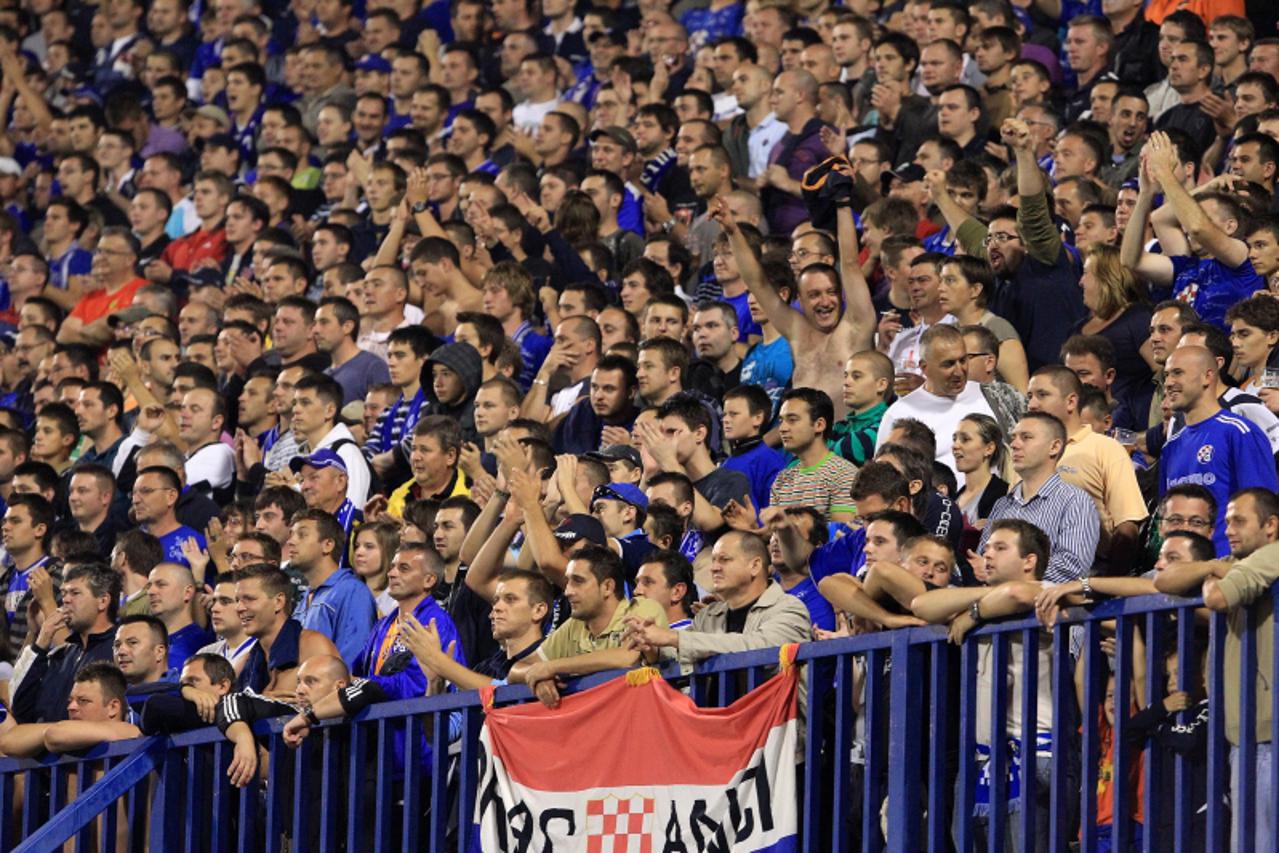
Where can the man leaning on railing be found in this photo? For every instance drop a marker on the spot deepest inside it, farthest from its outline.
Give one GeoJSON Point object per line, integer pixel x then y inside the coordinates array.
{"type": "Point", "coordinates": [96, 713]}
{"type": "Point", "coordinates": [1013, 562]}
{"type": "Point", "coordinates": [1231, 586]}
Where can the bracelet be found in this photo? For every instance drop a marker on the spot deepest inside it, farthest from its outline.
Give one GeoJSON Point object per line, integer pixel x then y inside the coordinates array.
{"type": "Point", "coordinates": [504, 495]}
{"type": "Point", "coordinates": [1087, 587]}
{"type": "Point", "coordinates": [541, 382]}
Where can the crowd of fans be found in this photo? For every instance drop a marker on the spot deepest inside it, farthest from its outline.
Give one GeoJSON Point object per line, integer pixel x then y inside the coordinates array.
{"type": "Point", "coordinates": [351, 351]}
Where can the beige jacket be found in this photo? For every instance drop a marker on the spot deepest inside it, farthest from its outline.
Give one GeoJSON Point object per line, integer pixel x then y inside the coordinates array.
{"type": "Point", "coordinates": [1249, 581]}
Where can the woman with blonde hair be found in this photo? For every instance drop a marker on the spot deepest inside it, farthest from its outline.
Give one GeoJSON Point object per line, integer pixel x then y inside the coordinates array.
{"type": "Point", "coordinates": [1119, 312]}
{"type": "Point", "coordinates": [371, 555]}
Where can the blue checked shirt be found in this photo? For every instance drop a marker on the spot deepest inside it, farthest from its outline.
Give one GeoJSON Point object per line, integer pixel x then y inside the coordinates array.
{"type": "Point", "coordinates": [1069, 517]}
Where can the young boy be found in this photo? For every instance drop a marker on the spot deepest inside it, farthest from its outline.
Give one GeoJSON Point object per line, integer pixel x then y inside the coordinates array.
{"type": "Point", "coordinates": [747, 413]}
{"type": "Point", "coordinates": [868, 377]}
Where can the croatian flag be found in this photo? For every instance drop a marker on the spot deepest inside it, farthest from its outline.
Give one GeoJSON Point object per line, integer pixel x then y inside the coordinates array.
{"type": "Point", "coordinates": [633, 766]}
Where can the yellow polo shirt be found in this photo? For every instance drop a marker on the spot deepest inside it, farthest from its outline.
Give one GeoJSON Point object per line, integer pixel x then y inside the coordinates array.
{"type": "Point", "coordinates": [1101, 467]}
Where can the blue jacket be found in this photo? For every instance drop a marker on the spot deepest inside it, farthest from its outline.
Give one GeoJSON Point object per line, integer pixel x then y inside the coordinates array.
{"type": "Point", "coordinates": [342, 609]}
{"type": "Point", "coordinates": [408, 681]}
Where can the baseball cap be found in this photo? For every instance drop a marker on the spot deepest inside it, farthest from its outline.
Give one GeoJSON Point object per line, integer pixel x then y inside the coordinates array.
{"type": "Point", "coordinates": [373, 62]}
{"type": "Point", "coordinates": [9, 166]}
{"type": "Point", "coordinates": [216, 113]}
{"type": "Point", "coordinates": [125, 316]}
{"type": "Point", "coordinates": [322, 458]}
{"type": "Point", "coordinates": [624, 492]}
{"type": "Point", "coordinates": [908, 173]}
{"type": "Point", "coordinates": [617, 453]}
{"type": "Point", "coordinates": [581, 526]}
{"type": "Point", "coordinates": [222, 140]}
{"type": "Point", "coordinates": [620, 135]}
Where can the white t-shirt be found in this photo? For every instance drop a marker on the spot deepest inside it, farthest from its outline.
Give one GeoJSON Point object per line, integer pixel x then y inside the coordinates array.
{"type": "Point", "coordinates": [528, 115]}
{"type": "Point", "coordinates": [942, 414]}
{"type": "Point", "coordinates": [213, 464]}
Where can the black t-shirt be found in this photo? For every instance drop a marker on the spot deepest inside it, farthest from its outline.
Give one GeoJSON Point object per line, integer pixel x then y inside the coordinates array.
{"type": "Point", "coordinates": [735, 623]}
{"type": "Point", "coordinates": [470, 614]}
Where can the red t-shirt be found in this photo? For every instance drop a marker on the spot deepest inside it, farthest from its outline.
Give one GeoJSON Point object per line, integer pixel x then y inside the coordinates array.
{"type": "Point", "coordinates": [184, 253]}
{"type": "Point", "coordinates": [100, 303]}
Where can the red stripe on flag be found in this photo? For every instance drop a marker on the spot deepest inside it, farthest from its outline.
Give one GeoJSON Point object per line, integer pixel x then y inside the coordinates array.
{"type": "Point", "coordinates": [682, 744]}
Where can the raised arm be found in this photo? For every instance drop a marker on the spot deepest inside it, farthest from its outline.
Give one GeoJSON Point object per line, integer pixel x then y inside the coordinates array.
{"type": "Point", "coordinates": [1156, 269]}
{"type": "Point", "coordinates": [1231, 251]}
{"type": "Point", "coordinates": [859, 310]}
{"type": "Point", "coordinates": [785, 318]}
{"type": "Point", "coordinates": [1034, 219]}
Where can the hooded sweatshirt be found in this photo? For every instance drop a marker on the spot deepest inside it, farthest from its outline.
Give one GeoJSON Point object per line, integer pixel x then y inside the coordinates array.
{"type": "Point", "coordinates": [463, 360]}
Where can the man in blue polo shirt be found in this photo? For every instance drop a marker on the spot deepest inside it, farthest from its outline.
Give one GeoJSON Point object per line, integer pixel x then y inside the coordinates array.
{"type": "Point", "coordinates": [155, 498]}
{"type": "Point", "coordinates": [337, 604]}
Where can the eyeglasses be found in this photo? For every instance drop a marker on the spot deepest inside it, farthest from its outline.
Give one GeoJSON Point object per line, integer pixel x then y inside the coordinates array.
{"type": "Point", "coordinates": [992, 237]}
{"type": "Point", "coordinates": [1184, 521]}
{"type": "Point", "coordinates": [102, 251]}
{"type": "Point", "coordinates": [979, 354]}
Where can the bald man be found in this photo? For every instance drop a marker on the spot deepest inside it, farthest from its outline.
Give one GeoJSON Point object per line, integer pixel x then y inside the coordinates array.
{"type": "Point", "coordinates": [170, 593]}
{"type": "Point", "coordinates": [1216, 449]}
{"type": "Point", "coordinates": [318, 676]}
{"type": "Point", "coordinates": [794, 100]}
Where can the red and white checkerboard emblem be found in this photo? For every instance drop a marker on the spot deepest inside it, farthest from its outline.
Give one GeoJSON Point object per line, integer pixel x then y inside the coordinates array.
{"type": "Point", "coordinates": [615, 825]}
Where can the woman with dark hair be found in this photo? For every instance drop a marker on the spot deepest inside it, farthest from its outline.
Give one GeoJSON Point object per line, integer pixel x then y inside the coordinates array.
{"type": "Point", "coordinates": [966, 285]}
{"type": "Point", "coordinates": [980, 455]}
{"type": "Point", "coordinates": [1119, 312]}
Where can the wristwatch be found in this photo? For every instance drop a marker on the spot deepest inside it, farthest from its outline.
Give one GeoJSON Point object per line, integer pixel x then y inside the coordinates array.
{"type": "Point", "coordinates": [311, 719]}
{"type": "Point", "coordinates": [1087, 587]}
{"type": "Point", "coordinates": [974, 610]}
{"type": "Point", "coordinates": [421, 206]}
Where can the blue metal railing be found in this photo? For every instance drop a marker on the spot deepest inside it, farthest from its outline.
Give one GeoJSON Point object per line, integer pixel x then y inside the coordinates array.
{"type": "Point", "coordinates": [898, 762]}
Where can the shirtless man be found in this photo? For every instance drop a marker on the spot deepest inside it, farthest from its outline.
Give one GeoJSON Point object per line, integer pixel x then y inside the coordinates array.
{"type": "Point", "coordinates": [820, 336]}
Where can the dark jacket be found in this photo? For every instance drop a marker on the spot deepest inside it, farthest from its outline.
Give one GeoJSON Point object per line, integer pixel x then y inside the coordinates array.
{"type": "Point", "coordinates": [42, 695]}
{"type": "Point", "coordinates": [463, 360]}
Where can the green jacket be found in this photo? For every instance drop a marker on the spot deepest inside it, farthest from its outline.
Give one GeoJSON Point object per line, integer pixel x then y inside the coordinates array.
{"type": "Point", "coordinates": [854, 437]}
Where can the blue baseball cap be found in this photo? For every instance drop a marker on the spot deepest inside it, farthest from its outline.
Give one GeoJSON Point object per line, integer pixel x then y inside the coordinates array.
{"type": "Point", "coordinates": [322, 458]}
{"type": "Point", "coordinates": [373, 62]}
{"type": "Point", "coordinates": [627, 493]}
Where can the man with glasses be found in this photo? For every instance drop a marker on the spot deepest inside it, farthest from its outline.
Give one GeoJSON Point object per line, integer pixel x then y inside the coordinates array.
{"type": "Point", "coordinates": [1188, 507]}
{"type": "Point", "coordinates": [155, 497]}
{"type": "Point", "coordinates": [114, 285]}
{"type": "Point", "coordinates": [1037, 287]}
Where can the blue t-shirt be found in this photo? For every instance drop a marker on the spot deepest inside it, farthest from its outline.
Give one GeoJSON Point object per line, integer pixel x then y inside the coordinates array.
{"type": "Point", "coordinates": [1212, 287]}
{"type": "Point", "coordinates": [844, 555]}
{"type": "Point", "coordinates": [19, 586]}
{"type": "Point", "coordinates": [745, 325]}
{"type": "Point", "coordinates": [820, 613]}
{"type": "Point", "coordinates": [74, 261]}
{"type": "Point", "coordinates": [706, 25]}
{"type": "Point", "coordinates": [185, 642]}
{"type": "Point", "coordinates": [760, 464]}
{"type": "Point", "coordinates": [171, 543]}
{"type": "Point", "coordinates": [769, 365]}
{"type": "Point", "coordinates": [1224, 454]}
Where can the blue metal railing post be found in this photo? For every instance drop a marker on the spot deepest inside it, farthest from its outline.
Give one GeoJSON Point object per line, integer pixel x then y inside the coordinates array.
{"type": "Point", "coordinates": [904, 735]}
